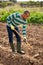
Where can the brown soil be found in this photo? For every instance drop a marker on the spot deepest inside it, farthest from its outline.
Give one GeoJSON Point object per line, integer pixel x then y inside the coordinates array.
{"type": "Point", "coordinates": [32, 56]}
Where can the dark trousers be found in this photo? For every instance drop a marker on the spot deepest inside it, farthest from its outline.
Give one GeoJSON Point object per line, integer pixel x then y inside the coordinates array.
{"type": "Point", "coordinates": [10, 35]}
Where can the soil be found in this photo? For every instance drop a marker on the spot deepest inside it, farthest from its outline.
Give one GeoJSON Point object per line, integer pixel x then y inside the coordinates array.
{"type": "Point", "coordinates": [32, 56]}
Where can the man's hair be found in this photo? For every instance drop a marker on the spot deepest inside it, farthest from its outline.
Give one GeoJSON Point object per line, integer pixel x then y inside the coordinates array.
{"type": "Point", "coordinates": [25, 12]}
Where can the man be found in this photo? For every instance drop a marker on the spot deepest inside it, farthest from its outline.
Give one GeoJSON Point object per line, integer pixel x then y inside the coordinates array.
{"type": "Point", "coordinates": [14, 20]}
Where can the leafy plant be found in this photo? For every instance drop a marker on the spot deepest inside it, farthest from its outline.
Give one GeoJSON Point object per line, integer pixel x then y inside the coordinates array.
{"type": "Point", "coordinates": [35, 17]}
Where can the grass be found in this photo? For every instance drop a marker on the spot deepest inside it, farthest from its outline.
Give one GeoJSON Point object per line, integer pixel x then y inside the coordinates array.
{"type": "Point", "coordinates": [17, 7]}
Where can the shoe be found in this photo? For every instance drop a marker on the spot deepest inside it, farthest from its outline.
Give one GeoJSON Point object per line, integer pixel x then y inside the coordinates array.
{"type": "Point", "coordinates": [12, 47]}
{"type": "Point", "coordinates": [19, 49]}
{"type": "Point", "coordinates": [21, 52]}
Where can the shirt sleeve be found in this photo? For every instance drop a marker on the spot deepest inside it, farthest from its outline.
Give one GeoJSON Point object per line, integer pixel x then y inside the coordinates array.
{"type": "Point", "coordinates": [10, 20]}
{"type": "Point", "coordinates": [24, 30]}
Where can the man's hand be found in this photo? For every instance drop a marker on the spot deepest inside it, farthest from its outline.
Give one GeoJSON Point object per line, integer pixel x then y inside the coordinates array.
{"type": "Point", "coordinates": [12, 27]}
{"type": "Point", "coordinates": [25, 39]}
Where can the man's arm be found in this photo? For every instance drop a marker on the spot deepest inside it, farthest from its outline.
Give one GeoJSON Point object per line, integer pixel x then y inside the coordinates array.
{"type": "Point", "coordinates": [10, 24]}
{"type": "Point", "coordinates": [24, 31]}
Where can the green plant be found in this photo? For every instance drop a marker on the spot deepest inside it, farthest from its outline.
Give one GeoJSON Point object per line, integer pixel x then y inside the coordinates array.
{"type": "Point", "coordinates": [35, 17]}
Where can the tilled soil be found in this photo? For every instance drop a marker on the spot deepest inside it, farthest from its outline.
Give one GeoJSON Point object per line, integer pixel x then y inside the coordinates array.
{"type": "Point", "coordinates": [32, 56]}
